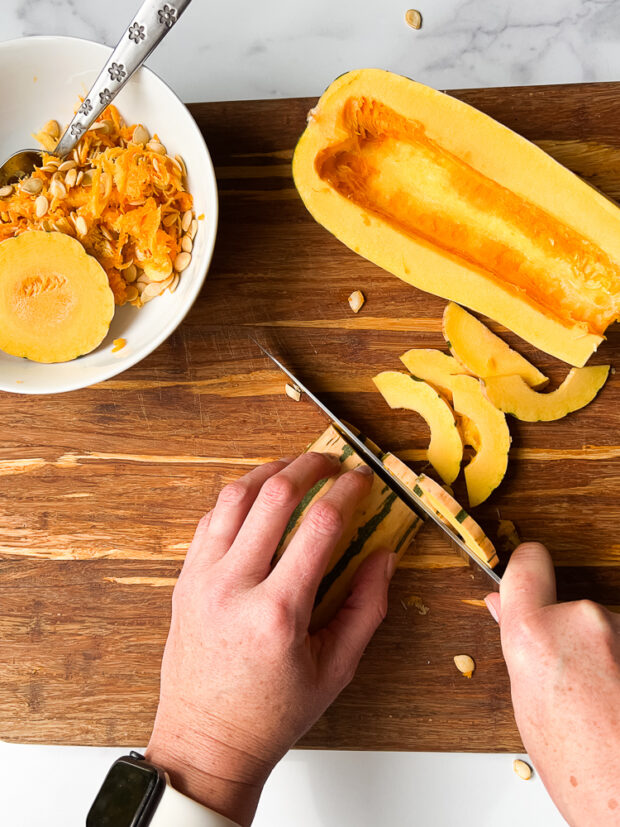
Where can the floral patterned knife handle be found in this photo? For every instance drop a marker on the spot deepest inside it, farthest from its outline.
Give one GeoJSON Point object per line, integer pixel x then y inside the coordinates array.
{"type": "Point", "coordinates": [150, 25]}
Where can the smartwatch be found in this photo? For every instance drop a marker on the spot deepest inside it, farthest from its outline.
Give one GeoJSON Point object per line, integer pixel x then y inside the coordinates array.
{"type": "Point", "coordinates": [136, 793]}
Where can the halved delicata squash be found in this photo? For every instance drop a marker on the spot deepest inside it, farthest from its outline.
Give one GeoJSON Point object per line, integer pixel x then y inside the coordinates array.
{"type": "Point", "coordinates": [487, 468]}
{"type": "Point", "coordinates": [55, 300]}
{"type": "Point", "coordinates": [483, 353]}
{"type": "Point", "coordinates": [512, 395]}
{"type": "Point", "coordinates": [445, 450]}
{"type": "Point", "coordinates": [454, 203]}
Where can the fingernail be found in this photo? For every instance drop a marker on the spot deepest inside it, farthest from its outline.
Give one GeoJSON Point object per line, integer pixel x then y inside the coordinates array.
{"type": "Point", "coordinates": [365, 470]}
{"type": "Point", "coordinates": [390, 566]}
{"type": "Point", "coordinates": [286, 459]}
{"type": "Point", "coordinates": [334, 458]}
{"type": "Point", "coordinates": [491, 609]}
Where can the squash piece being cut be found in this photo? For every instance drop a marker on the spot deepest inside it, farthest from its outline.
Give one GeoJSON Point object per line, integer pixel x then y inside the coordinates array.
{"type": "Point", "coordinates": [455, 515]}
{"type": "Point", "coordinates": [445, 450]}
{"type": "Point", "coordinates": [454, 203]}
{"type": "Point", "coordinates": [55, 300]}
{"type": "Point", "coordinates": [381, 520]}
{"type": "Point", "coordinates": [482, 352]}
{"type": "Point", "coordinates": [512, 395]}
{"type": "Point", "coordinates": [434, 367]}
{"type": "Point", "coordinates": [487, 468]}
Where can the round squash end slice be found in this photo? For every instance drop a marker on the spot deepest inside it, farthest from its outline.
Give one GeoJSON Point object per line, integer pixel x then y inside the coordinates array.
{"type": "Point", "coordinates": [55, 300]}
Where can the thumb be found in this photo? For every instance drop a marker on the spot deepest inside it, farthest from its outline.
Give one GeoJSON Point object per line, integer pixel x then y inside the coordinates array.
{"type": "Point", "coordinates": [528, 583]}
{"type": "Point", "coordinates": [348, 634]}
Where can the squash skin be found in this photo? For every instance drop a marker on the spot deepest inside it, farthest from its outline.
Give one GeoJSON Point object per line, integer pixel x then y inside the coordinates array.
{"type": "Point", "coordinates": [445, 450]}
{"type": "Point", "coordinates": [512, 395]}
{"type": "Point", "coordinates": [495, 152]}
{"type": "Point", "coordinates": [481, 351]}
{"type": "Point", "coordinates": [55, 299]}
{"type": "Point", "coordinates": [487, 468]}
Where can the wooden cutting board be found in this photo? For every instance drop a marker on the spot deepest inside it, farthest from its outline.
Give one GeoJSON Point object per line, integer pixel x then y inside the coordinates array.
{"type": "Point", "coordinates": [100, 489]}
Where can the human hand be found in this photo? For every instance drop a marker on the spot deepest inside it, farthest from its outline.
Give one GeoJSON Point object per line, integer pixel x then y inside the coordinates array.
{"type": "Point", "coordinates": [564, 666]}
{"type": "Point", "coordinates": [242, 679]}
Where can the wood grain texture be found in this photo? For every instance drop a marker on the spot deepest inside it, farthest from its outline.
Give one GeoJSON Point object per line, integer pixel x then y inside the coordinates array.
{"type": "Point", "coordinates": [100, 489]}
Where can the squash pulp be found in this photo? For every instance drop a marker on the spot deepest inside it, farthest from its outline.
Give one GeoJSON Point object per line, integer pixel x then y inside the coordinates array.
{"type": "Point", "coordinates": [458, 205]}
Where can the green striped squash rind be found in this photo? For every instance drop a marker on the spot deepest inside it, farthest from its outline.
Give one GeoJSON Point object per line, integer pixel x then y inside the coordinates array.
{"type": "Point", "coordinates": [381, 520]}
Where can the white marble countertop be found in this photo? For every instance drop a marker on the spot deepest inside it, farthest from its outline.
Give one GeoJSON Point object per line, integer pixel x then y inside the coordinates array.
{"type": "Point", "coordinates": [279, 48]}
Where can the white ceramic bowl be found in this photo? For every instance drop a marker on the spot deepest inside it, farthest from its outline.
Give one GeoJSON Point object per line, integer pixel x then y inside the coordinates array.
{"type": "Point", "coordinates": [42, 78]}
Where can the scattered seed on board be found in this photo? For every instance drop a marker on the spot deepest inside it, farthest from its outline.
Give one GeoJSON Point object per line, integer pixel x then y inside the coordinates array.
{"type": "Point", "coordinates": [293, 392]}
{"type": "Point", "coordinates": [186, 221]}
{"type": "Point", "coordinates": [465, 664]}
{"type": "Point", "coordinates": [32, 186]}
{"type": "Point", "coordinates": [186, 244]}
{"type": "Point", "coordinates": [182, 261]}
{"type": "Point", "coordinates": [522, 769]}
{"type": "Point", "coordinates": [6, 191]}
{"type": "Point", "coordinates": [41, 206]}
{"type": "Point", "coordinates": [413, 18]}
{"type": "Point", "coordinates": [356, 300]}
{"type": "Point", "coordinates": [140, 135]}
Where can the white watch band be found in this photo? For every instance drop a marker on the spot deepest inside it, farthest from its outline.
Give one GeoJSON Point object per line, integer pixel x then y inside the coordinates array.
{"type": "Point", "coordinates": [177, 810]}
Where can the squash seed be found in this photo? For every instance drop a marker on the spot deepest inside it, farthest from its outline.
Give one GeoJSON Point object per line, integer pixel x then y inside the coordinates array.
{"type": "Point", "coordinates": [186, 221]}
{"type": "Point", "coordinates": [7, 190]}
{"type": "Point", "coordinates": [155, 146]}
{"type": "Point", "coordinates": [522, 769]}
{"type": "Point", "coordinates": [140, 135]}
{"type": "Point", "coordinates": [131, 293]}
{"type": "Point", "coordinates": [57, 189]}
{"type": "Point", "coordinates": [78, 180]}
{"type": "Point", "coordinates": [52, 128]}
{"type": "Point", "coordinates": [193, 229]}
{"type": "Point", "coordinates": [105, 184]}
{"type": "Point", "coordinates": [81, 226]}
{"type": "Point", "coordinates": [175, 282]}
{"type": "Point", "coordinates": [41, 206]}
{"type": "Point", "coordinates": [32, 186]}
{"type": "Point", "coordinates": [186, 244]}
{"type": "Point", "coordinates": [130, 274]}
{"type": "Point", "coordinates": [87, 180]}
{"type": "Point", "coordinates": [293, 392]}
{"type": "Point", "coordinates": [465, 664]}
{"type": "Point", "coordinates": [356, 300]}
{"type": "Point", "coordinates": [413, 18]}
{"type": "Point", "coordinates": [170, 219]}
{"type": "Point", "coordinates": [71, 178]}
{"type": "Point", "coordinates": [151, 290]}
{"type": "Point", "coordinates": [182, 262]}
{"type": "Point", "coordinates": [181, 163]}
{"type": "Point", "coordinates": [66, 166]}
{"type": "Point", "coordinates": [63, 225]}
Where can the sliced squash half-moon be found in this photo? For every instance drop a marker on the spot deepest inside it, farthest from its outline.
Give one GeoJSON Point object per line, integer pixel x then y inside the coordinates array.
{"type": "Point", "coordinates": [482, 352]}
{"type": "Point", "coordinates": [487, 468]}
{"type": "Point", "coordinates": [512, 395]}
{"type": "Point", "coordinates": [445, 450]}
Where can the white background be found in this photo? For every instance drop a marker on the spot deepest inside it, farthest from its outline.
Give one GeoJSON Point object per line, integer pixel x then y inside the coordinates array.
{"type": "Point", "coordinates": [279, 48]}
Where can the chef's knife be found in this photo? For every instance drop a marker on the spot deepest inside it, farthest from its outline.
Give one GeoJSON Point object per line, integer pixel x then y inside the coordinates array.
{"type": "Point", "coordinates": [409, 497]}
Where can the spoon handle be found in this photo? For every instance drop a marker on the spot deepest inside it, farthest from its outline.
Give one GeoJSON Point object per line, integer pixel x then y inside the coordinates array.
{"type": "Point", "coordinates": [150, 25]}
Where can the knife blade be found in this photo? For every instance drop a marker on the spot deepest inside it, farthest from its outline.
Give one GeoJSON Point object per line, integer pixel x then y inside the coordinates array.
{"type": "Point", "coordinates": [409, 497]}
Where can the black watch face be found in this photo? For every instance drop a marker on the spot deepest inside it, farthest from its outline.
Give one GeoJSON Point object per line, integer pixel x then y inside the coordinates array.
{"type": "Point", "coordinates": [124, 795]}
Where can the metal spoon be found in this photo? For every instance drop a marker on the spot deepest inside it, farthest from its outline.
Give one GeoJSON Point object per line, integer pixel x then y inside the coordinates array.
{"type": "Point", "coordinates": [150, 25]}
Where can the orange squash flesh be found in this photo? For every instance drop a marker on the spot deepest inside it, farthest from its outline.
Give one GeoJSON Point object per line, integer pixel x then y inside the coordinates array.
{"type": "Point", "coordinates": [456, 204]}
